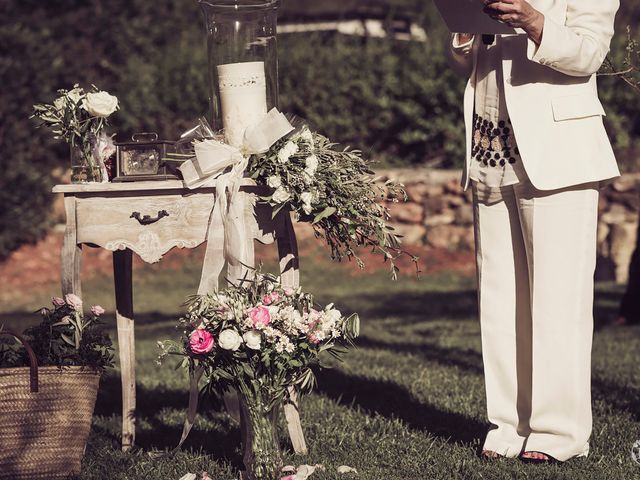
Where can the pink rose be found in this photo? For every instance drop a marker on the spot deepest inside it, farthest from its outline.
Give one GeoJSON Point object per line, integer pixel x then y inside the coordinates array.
{"type": "Point", "coordinates": [313, 338]}
{"type": "Point", "coordinates": [259, 316]}
{"type": "Point", "coordinates": [57, 301]}
{"type": "Point", "coordinates": [201, 341]}
{"type": "Point", "coordinates": [271, 298]}
{"type": "Point", "coordinates": [289, 477]}
{"type": "Point", "coordinates": [97, 310]}
{"type": "Point", "coordinates": [73, 301]}
{"type": "Point", "coordinates": [289, 291]}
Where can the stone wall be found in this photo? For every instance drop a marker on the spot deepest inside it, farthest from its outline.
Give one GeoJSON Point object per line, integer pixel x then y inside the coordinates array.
{"type": "Point", "coordinates": [439, 214]}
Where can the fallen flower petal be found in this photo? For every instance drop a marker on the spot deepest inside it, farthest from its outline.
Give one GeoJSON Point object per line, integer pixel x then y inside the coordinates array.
{"type": "Point", "coordinates": [346, 469]}
{"type": "Point", "coordinates": [188, 476]}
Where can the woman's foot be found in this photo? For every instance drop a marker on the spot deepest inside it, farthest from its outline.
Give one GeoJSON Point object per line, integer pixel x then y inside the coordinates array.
{"type": "Point", "coordinates": [536, 457]}
{"type": "Point", "coordinates": [490, 455]}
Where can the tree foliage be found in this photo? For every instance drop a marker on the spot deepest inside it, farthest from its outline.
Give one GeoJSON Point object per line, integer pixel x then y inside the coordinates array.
{"type": "Point", "coordinates": [396, 101]}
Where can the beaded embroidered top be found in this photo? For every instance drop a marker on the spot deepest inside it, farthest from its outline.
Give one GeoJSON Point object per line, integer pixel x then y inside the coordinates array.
{"type": "Point", "coordinates": [495, 156]}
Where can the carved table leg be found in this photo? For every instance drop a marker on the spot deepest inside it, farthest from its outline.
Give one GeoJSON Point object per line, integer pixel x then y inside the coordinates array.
{"type": "Point", "coordinates": [71, 251]}
{"type": "Point", "coordinates": [122, 274]}
{"type": "Point", "coordinates": [290, 276]}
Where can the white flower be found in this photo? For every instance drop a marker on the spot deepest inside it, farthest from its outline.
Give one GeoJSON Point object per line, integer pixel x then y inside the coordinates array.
{"type": "Point", "coordinates": [281, 195]}
{"type": "Point", "coordinates": [311, 165]}
{"type": "Point", "coordinates": [253, 339]}
{"type": "Point", "coordinates": [61, 104]}
{"type": "Point", "coordinates": [333, 315]}
{"type": "Point", "coordinates": [290, 148]}
{"type": "Point", "coordinates": [307, 136]}
{"type": "Point", "coordinates": [274, 181]}
{"type": "Point", "coordinates": [100, 104]}
{"type": "Point", "coordinates": [306, 197]}
{"type": "Point", "coordinates": [307, 208]}
{"type": "Point", "coordinates": [229, 340]}
{"type": "Point", "coordinates": [76, 94]}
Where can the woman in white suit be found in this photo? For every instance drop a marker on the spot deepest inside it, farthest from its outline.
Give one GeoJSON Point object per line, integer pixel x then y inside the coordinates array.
{"type": "Point", "coordinates": [536, 154]}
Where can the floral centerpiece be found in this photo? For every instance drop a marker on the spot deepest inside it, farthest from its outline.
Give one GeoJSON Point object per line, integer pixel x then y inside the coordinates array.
{"type": "Point", "coordinates": [260, 339]}
{"type": "Point", "coordinates": [79, 118]}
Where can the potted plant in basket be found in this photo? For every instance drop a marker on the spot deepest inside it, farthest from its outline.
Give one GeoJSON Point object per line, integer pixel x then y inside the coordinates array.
{"type": "Point", "coordinates": [48, 389]}
{"type": "Point", "coordinates": [260, 339]}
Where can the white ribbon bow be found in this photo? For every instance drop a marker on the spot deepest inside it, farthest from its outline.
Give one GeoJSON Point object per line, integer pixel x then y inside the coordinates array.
{"type": "Point", "coordinates": [227, 226]}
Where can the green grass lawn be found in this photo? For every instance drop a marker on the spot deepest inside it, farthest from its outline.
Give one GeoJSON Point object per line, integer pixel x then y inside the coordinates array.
{"type": "Point", "coordinates": [407, 404]}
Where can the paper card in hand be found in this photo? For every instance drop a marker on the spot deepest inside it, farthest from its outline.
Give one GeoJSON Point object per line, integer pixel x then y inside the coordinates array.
{"type": "Point", "coordinates": [467, 16]}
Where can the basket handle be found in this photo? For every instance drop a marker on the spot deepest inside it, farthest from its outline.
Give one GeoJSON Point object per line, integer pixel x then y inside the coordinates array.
{"type": "Point", "coordinates": [33, 361]}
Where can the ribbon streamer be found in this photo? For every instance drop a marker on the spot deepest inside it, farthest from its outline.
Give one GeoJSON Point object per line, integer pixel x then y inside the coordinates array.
{"type": "Point", "coordinates": [228, 222]}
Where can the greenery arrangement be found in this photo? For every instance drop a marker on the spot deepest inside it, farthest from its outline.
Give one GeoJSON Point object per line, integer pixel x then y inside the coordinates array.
{"type": "Point", "coordinates": [334, 189]}
{"type": "Point", "coordinates": [260, 339]}
{"type": "Point", "coordinates": [66, 337]}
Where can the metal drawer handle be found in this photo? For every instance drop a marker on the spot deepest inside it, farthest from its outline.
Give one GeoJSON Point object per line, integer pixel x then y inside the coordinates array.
{"type": "Point", "coordinates": [147, 220]}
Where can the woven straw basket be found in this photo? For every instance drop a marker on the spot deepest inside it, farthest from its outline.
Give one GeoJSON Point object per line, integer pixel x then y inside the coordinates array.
{"type": "Point", "coordinates": [45, 418]}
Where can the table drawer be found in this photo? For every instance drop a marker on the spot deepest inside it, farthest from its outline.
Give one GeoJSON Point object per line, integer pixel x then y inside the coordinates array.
{"type": "Point", "coordinates": [148, 225]}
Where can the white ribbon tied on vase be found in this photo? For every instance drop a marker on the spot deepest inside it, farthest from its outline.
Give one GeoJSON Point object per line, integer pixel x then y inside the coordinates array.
{"type": "Point", "coordinates": [227, 232]}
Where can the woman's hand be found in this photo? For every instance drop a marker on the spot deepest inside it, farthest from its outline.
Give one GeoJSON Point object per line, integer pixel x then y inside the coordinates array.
{"type": "Point", "coordinates": [517, 14]}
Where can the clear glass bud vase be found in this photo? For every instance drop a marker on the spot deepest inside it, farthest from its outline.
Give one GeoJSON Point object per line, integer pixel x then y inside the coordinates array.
{"type": "Point", "coordinates": [85, 166]}
{"type": "Point", "coordinates": [243, 62]}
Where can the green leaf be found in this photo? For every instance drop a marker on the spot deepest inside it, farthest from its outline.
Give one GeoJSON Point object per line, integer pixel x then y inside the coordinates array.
{"type": "Point", "coordinates": [327, 212]}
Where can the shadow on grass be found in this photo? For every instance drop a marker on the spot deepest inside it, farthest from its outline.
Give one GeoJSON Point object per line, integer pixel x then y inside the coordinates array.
{"type": "Point", "coordinates": [391, 400]}
{"type": "Point", "coordinates": [414, 306]}
{"type": "Point", "coordinates": [221, 443]}
{"type": "Point", "coordinates": [467, 360]}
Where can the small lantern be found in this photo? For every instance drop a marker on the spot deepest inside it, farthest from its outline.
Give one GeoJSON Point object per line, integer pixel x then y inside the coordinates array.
{"type": "Point", "coordinates": [144, 158]}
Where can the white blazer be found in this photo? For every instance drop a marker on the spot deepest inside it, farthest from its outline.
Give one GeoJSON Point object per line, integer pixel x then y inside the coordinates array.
{"type": "Point", "coordinates": [551, 94]}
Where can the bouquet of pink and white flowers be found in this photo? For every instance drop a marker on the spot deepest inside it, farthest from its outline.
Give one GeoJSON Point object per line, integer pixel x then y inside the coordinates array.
{"type": "Point", "coordinates": [260, 332]}
{"type": "Point", "coordinates": [260, 339]}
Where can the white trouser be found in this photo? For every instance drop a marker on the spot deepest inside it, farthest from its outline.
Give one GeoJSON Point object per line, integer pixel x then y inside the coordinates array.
{"type": "Point", "coordinates": [536, 254]}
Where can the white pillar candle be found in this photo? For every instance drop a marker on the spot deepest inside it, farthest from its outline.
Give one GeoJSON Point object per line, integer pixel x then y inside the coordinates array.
{"type": "Point", "coordinates": [243, 98]}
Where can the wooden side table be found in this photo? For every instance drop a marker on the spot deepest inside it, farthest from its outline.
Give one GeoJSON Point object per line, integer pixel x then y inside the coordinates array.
{"type": "Point", "coordinates": [151, 218]}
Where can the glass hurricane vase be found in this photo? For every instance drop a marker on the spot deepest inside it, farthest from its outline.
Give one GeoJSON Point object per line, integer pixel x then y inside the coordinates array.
{"type": "Point", "coordinates": [243, 62]}
{"type": "Point", "coordinates": [262, 457]}
{"type": "Point", "coordinates": [85, 167]}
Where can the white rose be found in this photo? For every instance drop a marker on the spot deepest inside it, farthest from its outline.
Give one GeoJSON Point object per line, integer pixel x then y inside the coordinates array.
{"type": "Point", "coordinates": [229, 340]}
{"type": "Point", "coordinates": [307, 208]}
{"type": "Point", "coordinates": [100, 104]}
{"type": "Point", "coordinates": [274, 181]}
{"type": "Point", "coordinates": [311, 165]}
{"type": "Point", "coordinates": [253, 339]}
{"type": "Point", "coordinates": [290, 148]}
{"type": "Point", "coordinates": [306, 197]}
{"type": "Point", "coordinates": [75, 95]}
{"type": "Point", "coordinates": [281, 195]}
{"type": "Point", "coordinates": [333, 315]}
{"type": "Point", "coordinates": [307, 136]}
